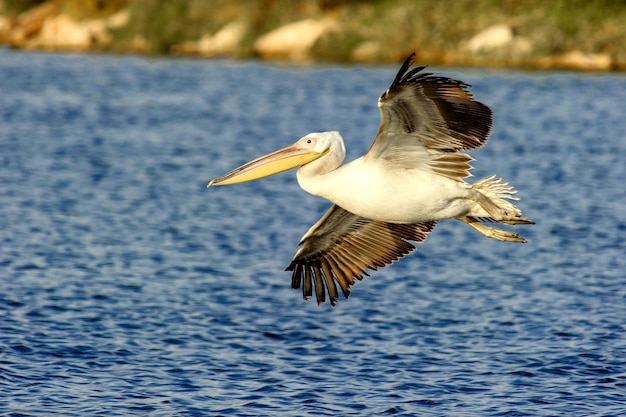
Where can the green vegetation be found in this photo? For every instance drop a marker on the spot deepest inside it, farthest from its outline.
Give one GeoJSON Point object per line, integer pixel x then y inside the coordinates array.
{"type": "Point", "coordinates": [552, 27]}
{"type": "Point", "coordinates": [165, 23]}
{"type": "Point", "coordinates": [436, 29]}
{"type": "Point", "coordinates": [78, 8]}
{"type": "Point", "coordinates": [17, 6]}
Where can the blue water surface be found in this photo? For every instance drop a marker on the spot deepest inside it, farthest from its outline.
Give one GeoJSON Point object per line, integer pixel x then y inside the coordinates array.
{"type": "Point", "coordinates": [128, 288]}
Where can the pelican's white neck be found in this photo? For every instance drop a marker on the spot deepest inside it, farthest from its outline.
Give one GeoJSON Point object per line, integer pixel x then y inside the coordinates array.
{"type": "Point", "coordinates": [312, 176]}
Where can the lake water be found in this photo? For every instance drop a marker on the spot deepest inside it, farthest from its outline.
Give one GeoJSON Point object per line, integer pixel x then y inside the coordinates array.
{"type": "Point", "coordinates": [128, 288]}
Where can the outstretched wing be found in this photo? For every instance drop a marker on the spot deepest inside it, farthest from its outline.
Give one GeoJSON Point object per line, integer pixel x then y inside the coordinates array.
{"type": "Point", "coordinates": [426, 118]}
{"type": "Point", "coordinates": [341, 246]}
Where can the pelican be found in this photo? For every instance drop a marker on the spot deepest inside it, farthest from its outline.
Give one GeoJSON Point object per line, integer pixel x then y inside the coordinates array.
{"type": "Point", "coordinates": [411, 177]}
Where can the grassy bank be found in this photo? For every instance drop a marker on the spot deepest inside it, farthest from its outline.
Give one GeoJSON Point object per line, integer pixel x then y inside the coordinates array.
{"type": "Point", "coordinates": [437, 30]}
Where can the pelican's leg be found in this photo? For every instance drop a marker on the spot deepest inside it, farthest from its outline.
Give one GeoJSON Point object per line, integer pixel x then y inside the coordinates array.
{"type": "Point", "coordinates": [494, 203]}
{"type": "Point", "coordinates": [489, 206]}
{"type": "Point", "coordinates": [492, 232]}
{"type": "Point", "coordinates": [498, 213]}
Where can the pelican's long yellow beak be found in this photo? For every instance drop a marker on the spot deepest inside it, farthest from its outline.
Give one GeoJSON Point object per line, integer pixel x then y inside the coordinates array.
{"type": "Point", "coordinates": [281, 160]}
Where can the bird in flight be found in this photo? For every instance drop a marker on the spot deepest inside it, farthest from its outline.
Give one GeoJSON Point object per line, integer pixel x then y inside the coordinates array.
{"type": "Point", "coordinates": [412, 176]}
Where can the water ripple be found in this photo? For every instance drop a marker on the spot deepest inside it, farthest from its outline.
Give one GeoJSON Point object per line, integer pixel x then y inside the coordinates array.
{"type": "Point", "coordinates": [129, 289]}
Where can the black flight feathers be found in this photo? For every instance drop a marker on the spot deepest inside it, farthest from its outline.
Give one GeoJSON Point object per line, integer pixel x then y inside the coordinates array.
{"type": "Point", "coordinates": [404, 76]}
{"type": "Point", "coordinates": [468, 121]}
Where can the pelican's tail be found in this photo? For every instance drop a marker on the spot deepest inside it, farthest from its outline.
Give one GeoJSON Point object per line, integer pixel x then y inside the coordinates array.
{"type": "Point", "coordinates": [493, 197]}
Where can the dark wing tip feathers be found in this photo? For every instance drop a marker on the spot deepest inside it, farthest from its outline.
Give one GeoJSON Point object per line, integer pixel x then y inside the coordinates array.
{"type": "Point", "coordinates": [407, 75]}
{"type": "Point", "coordinates": [323, 269]}
{"type": "Point", "coordinates": [400, 76]}
{"type": "Point", "coordinates": [468, 121]}
{"type": "Point", "coordinates": [404, 75]}
{"type": "Point", "coordinates": [446, 85]}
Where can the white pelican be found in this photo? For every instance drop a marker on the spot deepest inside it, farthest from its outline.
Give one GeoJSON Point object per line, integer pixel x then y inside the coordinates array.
{"type": "Point", "coordinates": [411, 177]}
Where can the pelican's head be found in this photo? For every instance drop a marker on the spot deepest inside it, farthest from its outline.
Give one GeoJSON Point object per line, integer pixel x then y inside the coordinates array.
{"type": "Point", "coordinates": [306, 150]}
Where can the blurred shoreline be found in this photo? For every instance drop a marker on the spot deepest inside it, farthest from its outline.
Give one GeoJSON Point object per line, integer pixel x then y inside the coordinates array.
{"type": "Point", "coordinates": [530, 34]}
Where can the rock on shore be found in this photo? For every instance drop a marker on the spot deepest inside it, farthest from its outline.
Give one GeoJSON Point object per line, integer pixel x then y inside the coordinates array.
{"type": "Point", "coordinates": [44, 27]}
